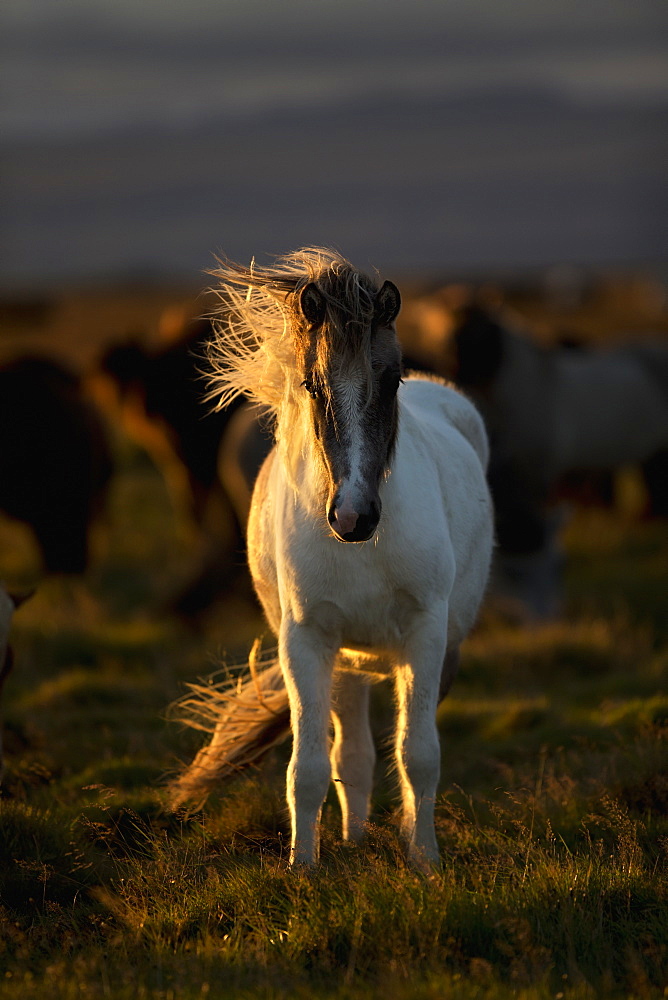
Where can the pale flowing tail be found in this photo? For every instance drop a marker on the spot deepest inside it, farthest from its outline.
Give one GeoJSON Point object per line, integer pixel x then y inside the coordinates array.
{"type": "Point", "coordinates": [247, 716]}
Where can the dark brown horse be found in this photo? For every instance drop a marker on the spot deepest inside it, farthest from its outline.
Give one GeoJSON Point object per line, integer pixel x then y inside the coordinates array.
{"type": "Point", "coordinates": [208, 458]}
{"type": "Point", "coordinates": [55, 461]}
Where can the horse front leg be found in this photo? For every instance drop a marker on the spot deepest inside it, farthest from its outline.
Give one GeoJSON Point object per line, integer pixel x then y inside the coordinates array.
{"type": "Point", "coordinates": [307, 660]}
{"type": "Point", "coordinates": [353, 753]}
{"type": "Point", "coordinates": [418, 752]}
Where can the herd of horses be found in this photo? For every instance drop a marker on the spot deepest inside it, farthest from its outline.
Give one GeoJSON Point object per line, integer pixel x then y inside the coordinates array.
{"type": "Point", "coordinates": [370, 496]}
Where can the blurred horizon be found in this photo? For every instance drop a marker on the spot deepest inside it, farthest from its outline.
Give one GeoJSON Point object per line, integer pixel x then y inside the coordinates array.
{"type": "Point", "coordinates": [458, 137]}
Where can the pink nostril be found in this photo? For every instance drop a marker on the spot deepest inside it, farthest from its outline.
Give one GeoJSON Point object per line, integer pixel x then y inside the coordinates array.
{"type": "Point", "coordinates": [343, 517]}
{"type": "Point", "coordinates": [351, 525]}
{"type": "Point", "coordinates": [343, 521]}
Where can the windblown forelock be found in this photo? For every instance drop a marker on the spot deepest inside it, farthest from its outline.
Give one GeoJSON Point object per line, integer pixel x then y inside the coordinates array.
{"type": "Point", "coordinates": [336, 278]}
{"type": "Point", "coordinates": [350, 298]}
{"type": "Point", "coordinates": [344, 337]}
{"type": "Point", "coordinates": [263, 347]}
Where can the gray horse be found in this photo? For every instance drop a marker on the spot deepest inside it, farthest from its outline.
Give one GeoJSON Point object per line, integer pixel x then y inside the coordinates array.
{"type": "Point", "coordinates": [551, 413]}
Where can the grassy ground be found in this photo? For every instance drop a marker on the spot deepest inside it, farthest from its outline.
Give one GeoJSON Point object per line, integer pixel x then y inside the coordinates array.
{"type": "Point", "coordinates": [553, 817]}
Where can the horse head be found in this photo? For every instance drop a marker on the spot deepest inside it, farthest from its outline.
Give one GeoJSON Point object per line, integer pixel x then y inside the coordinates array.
{"type": "Point", "coordinates": [349, 362]}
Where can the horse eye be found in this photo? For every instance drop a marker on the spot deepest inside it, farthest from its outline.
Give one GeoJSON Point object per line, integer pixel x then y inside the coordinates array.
{"type": "Point", "coordinates": [390, 380]}
{"type": "Point", "coordinates": [310, 388]}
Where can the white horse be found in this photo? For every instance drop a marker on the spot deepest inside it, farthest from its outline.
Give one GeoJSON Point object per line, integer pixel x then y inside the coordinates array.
{"type": "Point", "coordinates": [369, 542]}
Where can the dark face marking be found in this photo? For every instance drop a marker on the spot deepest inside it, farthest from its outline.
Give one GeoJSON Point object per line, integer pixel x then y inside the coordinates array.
{"type": "Point", "coordinates": [351, 366]}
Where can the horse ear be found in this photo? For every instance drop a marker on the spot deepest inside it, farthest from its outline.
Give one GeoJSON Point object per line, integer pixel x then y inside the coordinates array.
{"type": "Point", "coordinates": [388, 304]}
{"type": "Point", "coordinates": [313, 304]}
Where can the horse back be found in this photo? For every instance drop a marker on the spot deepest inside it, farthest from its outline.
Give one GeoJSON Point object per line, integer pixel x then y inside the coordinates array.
{"type": "Point", "coordinates": [610, 408]}
{"type": "Point", "coordinates": [437, 401]}
{"type": "Point", "coordinates": [652, 356]}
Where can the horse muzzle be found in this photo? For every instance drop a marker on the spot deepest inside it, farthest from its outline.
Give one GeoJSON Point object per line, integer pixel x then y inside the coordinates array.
{"type": "Point", "coordinates": [351, 525]}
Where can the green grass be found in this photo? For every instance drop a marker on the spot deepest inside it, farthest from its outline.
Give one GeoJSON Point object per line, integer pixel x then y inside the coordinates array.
{"type": "Point", "coordinates": [552, 819]}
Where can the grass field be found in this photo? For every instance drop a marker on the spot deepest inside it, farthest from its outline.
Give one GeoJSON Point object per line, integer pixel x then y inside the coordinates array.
{"type": "Point", "coordinates": [552, 819]}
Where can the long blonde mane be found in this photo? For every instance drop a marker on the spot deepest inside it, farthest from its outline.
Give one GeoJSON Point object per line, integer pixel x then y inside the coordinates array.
{"type": "Point", "coordinates": [253, 350]}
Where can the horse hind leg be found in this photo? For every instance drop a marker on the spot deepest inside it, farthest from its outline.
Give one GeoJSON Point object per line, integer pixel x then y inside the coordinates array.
{"type": "Point", "coordinates": [353, 754]}
{"type": "Point", "coordinates": [449, 671]}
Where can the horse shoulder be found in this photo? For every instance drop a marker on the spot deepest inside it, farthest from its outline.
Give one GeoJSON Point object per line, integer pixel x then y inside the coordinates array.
{"type": "Point", "coordinates": [439, 405]}
{"type": "Point", "coordinates": [447, 438]}
{"type": "Point", "coordinates": [445, 450]}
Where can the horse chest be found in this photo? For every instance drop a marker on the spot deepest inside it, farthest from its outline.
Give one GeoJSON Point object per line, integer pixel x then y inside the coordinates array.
{"type": "Point", "coordinates": [369, 596]}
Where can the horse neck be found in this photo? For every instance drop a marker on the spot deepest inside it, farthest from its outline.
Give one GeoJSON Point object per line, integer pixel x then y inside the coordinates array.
{"type": "Point", "coordinates": [297, 451]}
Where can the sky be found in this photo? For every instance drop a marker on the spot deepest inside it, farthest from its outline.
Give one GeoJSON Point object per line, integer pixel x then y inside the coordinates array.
{"type": "Point", "coordinates": [139, 138]}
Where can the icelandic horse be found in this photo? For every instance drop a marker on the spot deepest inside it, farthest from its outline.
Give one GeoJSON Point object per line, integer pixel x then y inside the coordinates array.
{"type": "Point", "coordinates": [369, 544]}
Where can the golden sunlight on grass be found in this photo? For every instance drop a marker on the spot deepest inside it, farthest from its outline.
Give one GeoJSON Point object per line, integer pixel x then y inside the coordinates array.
{"type": "Point", "coordinates": [552, 817]}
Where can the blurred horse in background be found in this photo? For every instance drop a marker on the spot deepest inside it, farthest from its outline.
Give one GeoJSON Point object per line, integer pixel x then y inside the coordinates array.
{"type": "Point", "coordinates": [369, 538]}
{"type": "Point", "coordinates": [8, 605]}
{"type": "Point", "coordinates": [161, 392]}
{"type": "Point", "coordinates": [247, 441]}
{"type": "Point", "coordinates": [552, 414]}
{"type": "Point", "coordinates": [55, 459]}
{"type": "Point", "coordinates": [164, 387]}
{"type": "Point", "coordinates": [55, 466]}
{"type": "Point", "coordinates": [6, 611]}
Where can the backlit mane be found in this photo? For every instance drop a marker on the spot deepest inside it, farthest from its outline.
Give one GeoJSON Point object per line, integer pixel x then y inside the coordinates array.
{"type": "Point", "coordinates": [253, 352]}
{"type": "Point", "coordinates": [254, 349]}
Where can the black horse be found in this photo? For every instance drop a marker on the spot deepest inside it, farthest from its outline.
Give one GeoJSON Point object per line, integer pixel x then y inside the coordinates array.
{"type": "Point", "coordinates": [55, 460]}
